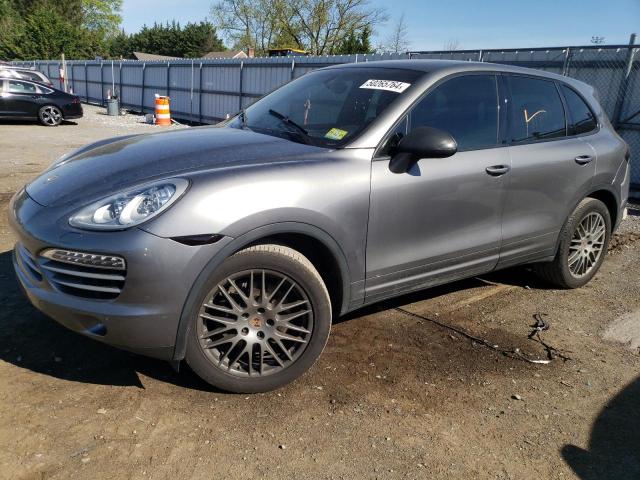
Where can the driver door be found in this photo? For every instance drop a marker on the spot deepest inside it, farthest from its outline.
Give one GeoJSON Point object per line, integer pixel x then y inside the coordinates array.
{"type": "Point", "coordinates": [441, 220]}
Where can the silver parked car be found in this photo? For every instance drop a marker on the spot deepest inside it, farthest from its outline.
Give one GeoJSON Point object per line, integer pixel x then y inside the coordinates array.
{"type": "Point", "coordinates": [8, 71]}
{"type": "Point", "coordinates": [232, 247]}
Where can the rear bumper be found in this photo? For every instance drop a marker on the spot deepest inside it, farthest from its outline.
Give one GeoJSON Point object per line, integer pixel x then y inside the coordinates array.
{"type": "Point", "coordinates": [144, 317]}
{"type": "Point", "coordinates": [72, 111]}
{"type": "Point", "coordinates": [624, 194]}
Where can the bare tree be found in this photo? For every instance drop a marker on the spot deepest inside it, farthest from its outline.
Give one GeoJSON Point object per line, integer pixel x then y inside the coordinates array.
{"type": "Point", "coordinates": [452, 45]}
{"type": "Point", "coordinates": [398, 40]}
{"type": "Point", "coordinates": [596, 40]}
{"type": "Point", "coordinates": [247, 23]}
{"type": "Point", "coordinates": [317, 26]}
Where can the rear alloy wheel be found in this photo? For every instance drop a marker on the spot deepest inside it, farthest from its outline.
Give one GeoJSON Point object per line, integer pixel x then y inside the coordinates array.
{"type": "Point", "coordinates": [50, 116]}
{"type": "Point", "coordinates": [262, 322]}
{"type": "Point", "coordinates": [583, 245]}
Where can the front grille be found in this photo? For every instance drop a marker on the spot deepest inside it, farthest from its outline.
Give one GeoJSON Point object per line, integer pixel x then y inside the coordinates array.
{"type": "Point", "coordinates": [83, 274]}
{"type": "Point", "coordinates": [28, 263]}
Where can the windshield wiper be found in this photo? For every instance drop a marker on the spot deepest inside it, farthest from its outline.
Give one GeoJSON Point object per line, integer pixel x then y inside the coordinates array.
{"type": "Point", "coordinates": [243, 118]}
{"type": "Point", "coordinates": [288, 121]}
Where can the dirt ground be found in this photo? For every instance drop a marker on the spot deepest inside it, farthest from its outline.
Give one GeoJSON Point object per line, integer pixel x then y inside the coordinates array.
{"type": "Point", "coordinates": [395, 394]}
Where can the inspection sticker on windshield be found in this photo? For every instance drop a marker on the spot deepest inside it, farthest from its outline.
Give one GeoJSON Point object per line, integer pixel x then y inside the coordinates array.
{"type": "Point", "coordinates": [335, 134]}
{"type": "Point", "coordinates": [388, 85]}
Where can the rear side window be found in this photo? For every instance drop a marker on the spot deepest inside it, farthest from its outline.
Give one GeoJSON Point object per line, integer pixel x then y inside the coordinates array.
{"type": "Point", "coordinates": [536, 110]}
{"type": "Point", "coordinates": [582, 119]}
{"type": "Point", "coordinates": [31, 76]}
{"type": "Point", "coordinates": [466, 107]}
{"type": "Point", "coordinates": [9, 73]}
{"type": "Point", "coordinates": [16, 86]}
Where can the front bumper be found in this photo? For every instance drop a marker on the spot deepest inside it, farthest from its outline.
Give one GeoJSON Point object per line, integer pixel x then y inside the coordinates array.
{"type": "Point", "coordinates": [160, 272]}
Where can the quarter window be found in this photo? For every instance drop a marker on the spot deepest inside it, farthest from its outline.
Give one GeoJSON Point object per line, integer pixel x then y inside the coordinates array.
{"type": "Point", "coordinates": [466, 107]}
{"type": "Point", "coordinates": [582, 118]}
{"type": "Point", "coordinates": [536, 110]}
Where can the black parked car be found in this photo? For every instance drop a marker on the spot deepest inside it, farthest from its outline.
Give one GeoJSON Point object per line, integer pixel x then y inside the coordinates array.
{"type": "Point", "coordinates": [27, 99]}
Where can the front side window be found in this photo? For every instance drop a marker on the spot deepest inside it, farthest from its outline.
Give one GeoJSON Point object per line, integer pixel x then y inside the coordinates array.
{"type": "Point", "coordinates": [16, 86]}
{"type": "Point", "coordinates": [582, 118]}
{"type": "Point", "coordinates": [465, 107]}
{"type": "Point", "coordinates": [536, 110]}
{"type": "Point", "coordinates": [327, 108]}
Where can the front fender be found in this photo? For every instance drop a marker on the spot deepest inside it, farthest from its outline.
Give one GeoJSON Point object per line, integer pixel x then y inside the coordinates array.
{"type": "Point", "coordinates": [238, 244]}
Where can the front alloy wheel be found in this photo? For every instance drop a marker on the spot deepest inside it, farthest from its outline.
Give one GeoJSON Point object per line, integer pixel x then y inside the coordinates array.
{"type": "Point", "coordinates": [255, 322]}
{"type": "Point", "coordinates": [262, 319]}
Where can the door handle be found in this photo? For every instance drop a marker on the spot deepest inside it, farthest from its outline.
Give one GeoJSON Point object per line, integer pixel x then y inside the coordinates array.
{"type": "Point", "coordinates": [497, 170]}
{"type": "Point", "coordinates": [583, 159]}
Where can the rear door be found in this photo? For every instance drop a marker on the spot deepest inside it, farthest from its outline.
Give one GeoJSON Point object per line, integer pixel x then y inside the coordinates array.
{"type": "Point", "coordinates": [551, 169]}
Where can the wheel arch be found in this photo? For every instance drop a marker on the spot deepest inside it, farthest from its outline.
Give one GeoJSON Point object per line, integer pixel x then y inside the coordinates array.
{"type": "Point", "coordinates": [315, 244]}
{"type": "Point", "coordinates": [610, 200]}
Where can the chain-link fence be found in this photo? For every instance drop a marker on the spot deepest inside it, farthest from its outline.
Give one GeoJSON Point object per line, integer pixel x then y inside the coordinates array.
{"type": "Point", "coordinates": [208, 90]}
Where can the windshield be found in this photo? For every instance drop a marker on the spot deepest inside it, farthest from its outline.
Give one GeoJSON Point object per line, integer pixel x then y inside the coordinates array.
{"type": "Point", "coordinates": [327, 108]}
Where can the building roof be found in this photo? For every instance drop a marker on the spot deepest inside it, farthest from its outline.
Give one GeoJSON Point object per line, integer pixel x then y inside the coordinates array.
{"type": "Point", "coordinates": [226, 54]}
{"type": "Point", "coordinates": [152, 56]}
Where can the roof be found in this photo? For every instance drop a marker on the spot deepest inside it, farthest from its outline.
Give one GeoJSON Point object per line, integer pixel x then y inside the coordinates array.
{"type": "Point", "coordinates": [454, 66]}
{"type": "Point", "coordinates": [226, 54]}
{"type": "Point", "coordinates": [152, 56]}
{"type": "Point", "coordinates": [18, 68]}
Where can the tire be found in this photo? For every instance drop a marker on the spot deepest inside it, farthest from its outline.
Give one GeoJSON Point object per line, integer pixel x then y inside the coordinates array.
{"type": "Point", "coordinates": [244, 302]}
{"type": "Point", "coordinates": [50, 116]}
{"type": "Point", "coordinates": [570, 269]}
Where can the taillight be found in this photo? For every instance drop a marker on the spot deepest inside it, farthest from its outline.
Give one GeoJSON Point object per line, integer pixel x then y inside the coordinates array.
{"type": "Point", "coordinates": [75, 100]}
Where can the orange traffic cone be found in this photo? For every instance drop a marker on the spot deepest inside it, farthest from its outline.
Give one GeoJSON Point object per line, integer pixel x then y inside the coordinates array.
{"type": "Point", "coordinates": [163, 114]}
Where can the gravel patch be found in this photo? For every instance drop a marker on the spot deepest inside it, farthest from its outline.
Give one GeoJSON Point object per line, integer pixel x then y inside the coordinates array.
{"type": "Point", "coordinates": [96, 114]}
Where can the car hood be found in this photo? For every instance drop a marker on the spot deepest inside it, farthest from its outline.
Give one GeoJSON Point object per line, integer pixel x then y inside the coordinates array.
{"type": "Point", "coordinates": [107, 167]}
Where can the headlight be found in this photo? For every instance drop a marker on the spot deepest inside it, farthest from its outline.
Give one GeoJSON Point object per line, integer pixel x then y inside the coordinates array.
{"type": "Point", "coordinates": [131, 207]}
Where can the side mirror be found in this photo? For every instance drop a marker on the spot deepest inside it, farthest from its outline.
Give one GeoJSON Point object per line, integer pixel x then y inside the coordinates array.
{"type": "Point", "coordinates": [423, 142]}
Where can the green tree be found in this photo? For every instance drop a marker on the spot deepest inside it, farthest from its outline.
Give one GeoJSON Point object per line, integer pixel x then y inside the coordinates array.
{"type": "Point", "coordinates": [44, 29]}
{"type": "Point", "coordinates": [120, 45]}
{"type": "Point", "coordinates": [355, 42]}
{"type": "Point", "coordinates": [47, 34]}
{"type": "Point", "coordinates": [102, 15]}
{"type": "Point", "coordinates": [170, 39]}
{"type": "Point", "coordinates": [10, 25]}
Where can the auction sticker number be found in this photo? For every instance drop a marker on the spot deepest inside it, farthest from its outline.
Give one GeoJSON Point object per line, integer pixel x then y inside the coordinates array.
{"type": "Point", "coordinates": [389, 85]}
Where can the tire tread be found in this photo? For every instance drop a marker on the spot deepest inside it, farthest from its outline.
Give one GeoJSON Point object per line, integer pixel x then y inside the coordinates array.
{"type": "Point", "coordinates": [554, 272]}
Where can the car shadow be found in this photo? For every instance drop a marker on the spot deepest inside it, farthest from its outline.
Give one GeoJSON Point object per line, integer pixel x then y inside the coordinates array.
{"type": "Point", "coordinates": [31, 340]}
{"type": "Point", "coordinates": [517, 276]}
{"type": "Point", "coordinates": [614, 444]}
{"type": "Point", "coordinates": [14, 121]}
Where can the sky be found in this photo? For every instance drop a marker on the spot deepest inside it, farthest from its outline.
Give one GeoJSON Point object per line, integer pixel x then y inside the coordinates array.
{"type": "Point", "coordinates": [473, 24]}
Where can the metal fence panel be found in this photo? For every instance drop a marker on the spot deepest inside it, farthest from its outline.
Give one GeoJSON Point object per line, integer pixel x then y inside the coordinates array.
{"type": "Point", "coordinates": [208, 90]}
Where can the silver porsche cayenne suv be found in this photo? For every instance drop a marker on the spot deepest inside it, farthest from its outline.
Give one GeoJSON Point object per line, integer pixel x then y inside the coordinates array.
{"type": "Point", "coordinates": [232, 247]}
